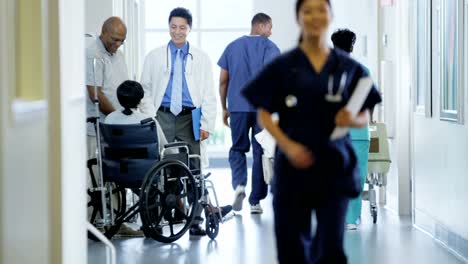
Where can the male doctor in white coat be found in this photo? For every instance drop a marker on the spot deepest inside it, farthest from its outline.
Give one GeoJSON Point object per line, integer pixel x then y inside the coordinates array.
{"type": "Point", "coordinates": [179, 78]}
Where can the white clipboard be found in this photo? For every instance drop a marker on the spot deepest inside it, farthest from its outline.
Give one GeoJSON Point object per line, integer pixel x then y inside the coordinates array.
{"type": "Point", "coordinates": [355, 104]}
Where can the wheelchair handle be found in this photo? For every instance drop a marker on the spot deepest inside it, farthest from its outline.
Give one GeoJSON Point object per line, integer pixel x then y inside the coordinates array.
{"type": "Point", "coordinates": [147, 120]}
{"type": "Point", "coordinates": [92, 120]}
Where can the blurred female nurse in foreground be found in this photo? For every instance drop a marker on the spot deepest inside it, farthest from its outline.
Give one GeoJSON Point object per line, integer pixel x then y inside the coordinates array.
{"type": "Point", "coordinates": [308, 87]}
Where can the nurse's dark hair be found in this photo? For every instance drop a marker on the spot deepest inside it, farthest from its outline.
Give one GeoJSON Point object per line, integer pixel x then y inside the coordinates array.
{"type": "Point", "coordinates": [344, 39]}
{"type": "Point", "coordinates": [129, 94]}
{"type": "Point", "coordinates": [299, 4]}
{"type": "Point", "coordinates": [183, 13]}
{"type": "Point", "coordinates": [260, 18]}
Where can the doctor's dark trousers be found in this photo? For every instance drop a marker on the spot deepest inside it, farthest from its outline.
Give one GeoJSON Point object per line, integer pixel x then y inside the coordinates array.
{"type": "Point", "coordinates": [293, 228]}
{"type": "Point", "coordinates": [241, 123]}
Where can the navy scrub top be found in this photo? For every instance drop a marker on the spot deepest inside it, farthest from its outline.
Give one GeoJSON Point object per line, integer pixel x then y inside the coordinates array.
{"type": "Point", "coordinates": [311, 121]}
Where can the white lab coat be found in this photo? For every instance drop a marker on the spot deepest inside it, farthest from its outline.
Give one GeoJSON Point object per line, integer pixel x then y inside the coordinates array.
{"type": "Point", "coordinates": [199, 76]}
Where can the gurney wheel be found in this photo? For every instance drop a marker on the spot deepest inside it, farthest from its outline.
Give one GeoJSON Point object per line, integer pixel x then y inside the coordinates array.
{"type": "Point", "coordinates": [374, 214]}
{"type": "Point", "coordinates": [212, 224]}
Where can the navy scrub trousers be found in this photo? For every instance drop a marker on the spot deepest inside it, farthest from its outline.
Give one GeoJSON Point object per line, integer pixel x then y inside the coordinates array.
{"type": "Point", "coordinates": [241, 123]}
{"type": "Point", "coordinates": [293, 231]}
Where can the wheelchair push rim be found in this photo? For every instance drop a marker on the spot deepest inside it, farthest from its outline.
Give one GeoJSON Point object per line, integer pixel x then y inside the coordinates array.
{"type": "Point", "coordinates": [168, 199]}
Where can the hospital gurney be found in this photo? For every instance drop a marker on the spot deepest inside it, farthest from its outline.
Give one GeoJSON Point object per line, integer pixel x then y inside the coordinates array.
{"type": "Point", "coordinates": [378, 164]}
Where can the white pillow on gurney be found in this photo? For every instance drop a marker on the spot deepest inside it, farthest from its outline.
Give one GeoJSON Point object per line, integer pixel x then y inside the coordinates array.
{"type": "Point", "coordinates": [268, 144]}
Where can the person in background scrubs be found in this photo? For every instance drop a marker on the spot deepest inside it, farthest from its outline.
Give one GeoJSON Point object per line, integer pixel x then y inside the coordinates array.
{"type": "Point", "coordinates": [240, 61]}
{"type": "Point", "coordinates": [309, 87]}
{"type": "Point", "coordinates": [344, 39]}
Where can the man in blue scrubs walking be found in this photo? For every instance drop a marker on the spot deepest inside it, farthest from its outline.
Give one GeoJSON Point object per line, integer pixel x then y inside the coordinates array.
{"type": "Point", "coordinates": [240, 62]}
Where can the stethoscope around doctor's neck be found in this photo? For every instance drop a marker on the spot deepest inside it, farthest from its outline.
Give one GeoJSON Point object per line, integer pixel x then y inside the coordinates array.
{"type": "Point", "coordinates": [184, 59]}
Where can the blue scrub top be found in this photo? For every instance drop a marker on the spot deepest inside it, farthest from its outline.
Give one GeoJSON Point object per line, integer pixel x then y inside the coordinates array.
{"type": "Point", "coordinates": [311, 120]}
{"type": "Point", "coordinates": [243, 59]}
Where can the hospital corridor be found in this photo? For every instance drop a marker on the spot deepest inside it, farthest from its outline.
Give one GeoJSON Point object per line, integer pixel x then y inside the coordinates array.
{"type": "Point", "coordinates": [233, 131]}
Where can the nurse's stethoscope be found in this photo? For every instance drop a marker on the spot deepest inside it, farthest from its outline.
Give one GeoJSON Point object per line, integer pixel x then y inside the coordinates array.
{"type": "Point", "coordinates": [336, 97]}
{"type": "Point", "coordinates": [331, 97]}
{"type": "Point", "coordinates": [187, 59]}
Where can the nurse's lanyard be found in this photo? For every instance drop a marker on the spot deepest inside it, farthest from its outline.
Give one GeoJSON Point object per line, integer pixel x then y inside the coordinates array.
{"type": "Point", "coordinates": [337, 97]}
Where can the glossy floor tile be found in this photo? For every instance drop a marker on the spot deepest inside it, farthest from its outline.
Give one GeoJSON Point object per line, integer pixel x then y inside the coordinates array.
{"type": "Point", "coordinates": [249, 239]}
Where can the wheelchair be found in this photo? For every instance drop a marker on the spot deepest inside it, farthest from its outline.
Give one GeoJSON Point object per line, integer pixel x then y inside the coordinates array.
{"type": "Point", "coordinates": [168, 186]}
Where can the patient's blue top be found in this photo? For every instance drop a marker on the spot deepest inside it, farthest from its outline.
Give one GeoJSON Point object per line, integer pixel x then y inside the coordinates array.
{"type": "Point", "coordinates": [291, 87]}
{"type": "Point", "coordinates": [243, 58]}
{"type": "Point", "coordinates": [362, 133]}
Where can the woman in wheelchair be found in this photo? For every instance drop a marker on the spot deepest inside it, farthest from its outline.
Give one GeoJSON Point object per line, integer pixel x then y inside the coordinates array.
{"type": "Point", "coordinates": [129, 94]}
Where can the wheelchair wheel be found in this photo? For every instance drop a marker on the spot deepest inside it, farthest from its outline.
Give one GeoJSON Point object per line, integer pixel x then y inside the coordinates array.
{"type": "Point", "coordinates": [168, 198]}
{"type": "Point", "coordinates": [212, 223]}
{"type": "Point", "coordinates": [95, 207]}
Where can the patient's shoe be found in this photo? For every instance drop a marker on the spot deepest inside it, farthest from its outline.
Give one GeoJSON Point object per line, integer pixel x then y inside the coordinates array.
{"type": "Point", "coordinates": [197, 230]}
{"type": "Point", "coordinates": [351, 227]}
{"type": "Point", "coordinates": [127, 231]}
{"type": "Point", "coordinates": [224, 210]}
{"type": "Point", "coordinates": [239, 196]}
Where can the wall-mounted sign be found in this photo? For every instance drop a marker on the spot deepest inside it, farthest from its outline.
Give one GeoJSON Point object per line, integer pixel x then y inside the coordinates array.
{"type": "Point", "coordinates": [387, 2]}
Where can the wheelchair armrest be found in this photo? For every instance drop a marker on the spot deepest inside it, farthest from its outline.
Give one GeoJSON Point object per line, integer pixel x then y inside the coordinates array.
{"type": "Point", "coordinates": [176, 144]}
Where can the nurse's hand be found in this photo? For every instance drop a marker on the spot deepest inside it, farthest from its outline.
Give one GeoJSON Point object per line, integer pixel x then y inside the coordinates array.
{"type": "Point", "coordinates": [225, 117]}
{"type": "Point", "coordinates": [299, 155]}
{"type": "Point", "coordinates": [344, 118]}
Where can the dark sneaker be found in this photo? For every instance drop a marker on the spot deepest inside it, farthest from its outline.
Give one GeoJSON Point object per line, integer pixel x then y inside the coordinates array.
{"type": "Point", "coordinates": [196, 230]}
{"type": "Point", "coordinates": [225, 210]}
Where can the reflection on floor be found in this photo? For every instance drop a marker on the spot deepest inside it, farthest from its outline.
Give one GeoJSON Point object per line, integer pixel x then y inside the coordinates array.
{"type": "Point", "coordinates": [249, 239]}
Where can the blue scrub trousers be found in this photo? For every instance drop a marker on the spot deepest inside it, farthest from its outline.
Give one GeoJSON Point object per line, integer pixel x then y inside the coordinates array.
{"type": "Point", "coordinates": [241, 123]}
{"type": "Point", "coordinates": [294, 240]}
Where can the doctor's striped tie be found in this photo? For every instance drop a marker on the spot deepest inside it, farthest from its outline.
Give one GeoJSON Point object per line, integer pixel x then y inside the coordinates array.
{"type": "Point", "coordinates": [176, 93]}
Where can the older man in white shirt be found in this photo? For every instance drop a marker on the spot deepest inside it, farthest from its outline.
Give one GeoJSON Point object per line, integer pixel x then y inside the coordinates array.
{"type": "Point", "coordinates": [106, 69]}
